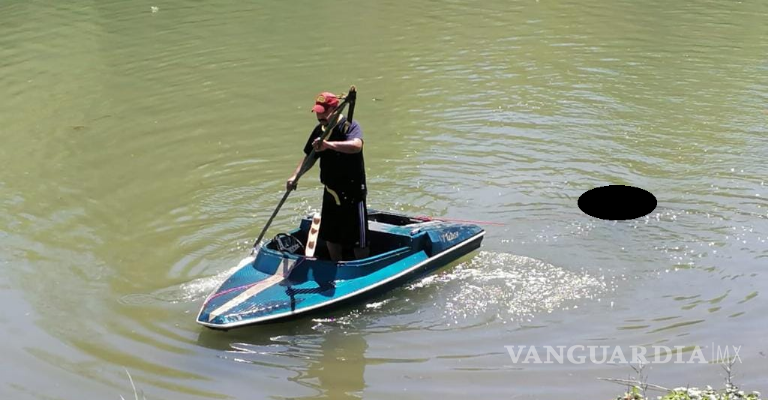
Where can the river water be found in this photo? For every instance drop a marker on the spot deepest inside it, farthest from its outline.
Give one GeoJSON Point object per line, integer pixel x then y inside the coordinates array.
{"type": "Point", "coordinates": [144, 145]}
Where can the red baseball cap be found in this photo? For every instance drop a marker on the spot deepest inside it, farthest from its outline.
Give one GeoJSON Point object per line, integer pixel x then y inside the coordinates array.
{"type": "Point", "coordinates": [325, 100]}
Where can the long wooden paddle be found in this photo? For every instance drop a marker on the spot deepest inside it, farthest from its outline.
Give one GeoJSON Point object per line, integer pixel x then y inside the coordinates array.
{"type": "Point", "coordinates": [309, 160]}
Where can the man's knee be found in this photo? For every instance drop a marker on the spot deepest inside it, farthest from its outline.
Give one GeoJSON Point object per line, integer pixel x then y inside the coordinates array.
{"type": "Point", "coordinates": [362, 252]}
{"type": "Point", "coordinates": [335, 251]}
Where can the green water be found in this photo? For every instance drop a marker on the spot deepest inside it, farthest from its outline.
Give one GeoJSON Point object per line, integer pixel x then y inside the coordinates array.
{"type": "Point", "coordinates": [143, 151]}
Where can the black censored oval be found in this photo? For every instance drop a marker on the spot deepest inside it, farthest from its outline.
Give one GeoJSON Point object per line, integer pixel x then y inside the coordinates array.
{"type": "Point", "coordinates": [617, 202]}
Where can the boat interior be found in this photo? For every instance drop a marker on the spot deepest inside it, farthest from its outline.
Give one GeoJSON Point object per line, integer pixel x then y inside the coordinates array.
{"type": "Point", "coordinates": [380, 239]}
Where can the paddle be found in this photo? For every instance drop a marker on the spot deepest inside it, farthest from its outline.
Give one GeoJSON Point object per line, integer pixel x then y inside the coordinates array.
{"type": "Point", "coordinates": [309, 160]}
{"type": "Point", "coordinates": [351, 98]}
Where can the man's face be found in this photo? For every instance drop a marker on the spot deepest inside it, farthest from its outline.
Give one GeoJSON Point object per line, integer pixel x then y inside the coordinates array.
{"type": "Point", "coordinates": [323, 116]}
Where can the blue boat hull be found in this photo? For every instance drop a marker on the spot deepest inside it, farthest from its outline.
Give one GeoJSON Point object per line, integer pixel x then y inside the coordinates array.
{"type": "Point", "coordinates": [274, 285]}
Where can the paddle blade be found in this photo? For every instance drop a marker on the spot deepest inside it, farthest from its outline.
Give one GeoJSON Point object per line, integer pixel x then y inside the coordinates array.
{"type": "Point", "coordinates": [314, 229]}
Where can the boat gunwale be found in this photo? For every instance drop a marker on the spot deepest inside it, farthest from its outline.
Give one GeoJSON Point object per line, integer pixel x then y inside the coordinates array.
{"type": "Point", "coordinates": [350, 263]}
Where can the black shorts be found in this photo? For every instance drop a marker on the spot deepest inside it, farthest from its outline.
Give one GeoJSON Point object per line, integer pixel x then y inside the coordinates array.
{"type": "Point", "coordinates": [344, 219]}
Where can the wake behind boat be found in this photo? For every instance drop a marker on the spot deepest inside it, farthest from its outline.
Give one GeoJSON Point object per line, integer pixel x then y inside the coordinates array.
{"type": "Point", "coordinates": [281, 281]}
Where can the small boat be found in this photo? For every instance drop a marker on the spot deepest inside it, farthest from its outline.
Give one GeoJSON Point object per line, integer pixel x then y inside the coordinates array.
{"type": "Point", "coordinates": [281, 281]}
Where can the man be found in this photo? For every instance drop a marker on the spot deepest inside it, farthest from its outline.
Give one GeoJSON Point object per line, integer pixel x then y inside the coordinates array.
{"type": "Point", "coordinates": [342, 171]}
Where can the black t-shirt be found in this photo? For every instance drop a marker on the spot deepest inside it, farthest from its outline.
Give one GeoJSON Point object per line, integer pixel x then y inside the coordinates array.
{"type": "Point", "coordinates": [340, 171]}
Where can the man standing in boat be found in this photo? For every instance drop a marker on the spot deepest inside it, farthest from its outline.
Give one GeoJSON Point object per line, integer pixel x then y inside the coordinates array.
{"type": "Point", "coordinates": [342, 171]}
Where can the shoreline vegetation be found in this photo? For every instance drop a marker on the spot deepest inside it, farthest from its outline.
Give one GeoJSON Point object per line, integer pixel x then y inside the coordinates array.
{"type": "Point", "coordinates": [638, 387]}
{"type": "Point", "coordinates": [133, 386]}
{"type": "Point", "coordinates": [731, 392]}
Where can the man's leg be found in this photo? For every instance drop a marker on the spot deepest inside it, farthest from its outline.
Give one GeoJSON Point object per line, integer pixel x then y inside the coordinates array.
{"type": "Point", "coordinates": [330, 226]}
{"type": "Point", "coordinates": [362, 252]}
{"type": "Point", "coordinates": [335, 250]}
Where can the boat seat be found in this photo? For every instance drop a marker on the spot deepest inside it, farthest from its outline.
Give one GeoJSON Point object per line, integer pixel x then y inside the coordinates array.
{"type": "Point", "coordinates": [380, 236]}
{"type": "Point", "coordinates": [382, 242]}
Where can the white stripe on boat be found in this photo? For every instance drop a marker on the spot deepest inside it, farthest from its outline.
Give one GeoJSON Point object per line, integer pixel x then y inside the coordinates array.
{"type": "Point", "coordinates": [282, 271]}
